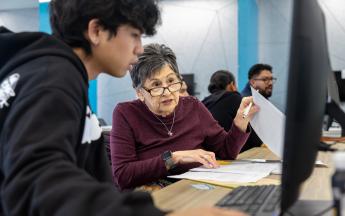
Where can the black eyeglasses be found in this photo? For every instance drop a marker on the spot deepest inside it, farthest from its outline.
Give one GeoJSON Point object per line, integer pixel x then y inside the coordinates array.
{"type": "Point", "coordinates": [267, 80]}
{"type": "Point", "coordinates": [154, 92]}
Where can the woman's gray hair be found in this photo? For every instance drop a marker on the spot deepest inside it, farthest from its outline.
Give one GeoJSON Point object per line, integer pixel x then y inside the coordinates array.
{"type": "Point", "coordinates": [154, 58]}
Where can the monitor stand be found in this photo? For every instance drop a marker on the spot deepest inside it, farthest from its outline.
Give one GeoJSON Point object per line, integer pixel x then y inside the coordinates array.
{"type": "Point", "coordinates": [311, 207]}
{"type": "Point", "coordinates": [335, 112]}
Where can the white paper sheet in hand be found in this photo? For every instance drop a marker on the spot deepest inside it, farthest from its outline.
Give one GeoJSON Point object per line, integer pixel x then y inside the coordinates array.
{"type": "Point", "coordinates": [269, 124]}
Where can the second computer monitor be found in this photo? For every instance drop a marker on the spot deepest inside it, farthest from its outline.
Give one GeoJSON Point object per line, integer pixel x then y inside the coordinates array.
{"type": "Point", "coordinates": [308, 70]}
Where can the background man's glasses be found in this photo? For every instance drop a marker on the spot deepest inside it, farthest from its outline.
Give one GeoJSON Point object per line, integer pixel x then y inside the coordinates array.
{"type": "Point", "coordinates": [267, 80]}
{"type": "Point", "coordinates": [154, 92]}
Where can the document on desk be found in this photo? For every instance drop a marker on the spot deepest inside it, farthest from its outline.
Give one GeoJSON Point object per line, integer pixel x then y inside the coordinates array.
{"type": "Point", "coordinates": [220, 177]}
{"type": "Point", "coordinates": [269, 124]}
{"type": "Point", "coordinates": [241, 168]}
{"type": "Point", "coordinates": [236, 172]}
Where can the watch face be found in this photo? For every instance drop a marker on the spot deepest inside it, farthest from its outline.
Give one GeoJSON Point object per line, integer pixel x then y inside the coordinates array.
{"type": "Point", "coordinates": [166, 155]}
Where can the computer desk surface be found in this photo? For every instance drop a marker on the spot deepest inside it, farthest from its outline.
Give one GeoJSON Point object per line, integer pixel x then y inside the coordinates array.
{"type": "Point", "coordinates": [181, 195]}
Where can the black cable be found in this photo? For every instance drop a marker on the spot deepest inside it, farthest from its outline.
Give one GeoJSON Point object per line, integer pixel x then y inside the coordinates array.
{"type": "Point", "coordinates": [324, 211]}
{"type": "Point", "coordinates": [325, 147]}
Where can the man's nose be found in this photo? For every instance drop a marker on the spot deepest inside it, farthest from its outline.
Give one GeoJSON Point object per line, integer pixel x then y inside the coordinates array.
{"type": "Point", "coordinates": [139, 49]}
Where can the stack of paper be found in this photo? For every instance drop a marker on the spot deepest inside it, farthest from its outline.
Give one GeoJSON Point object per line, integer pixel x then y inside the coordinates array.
{"type": "Point", "coordinates": [236, 172]}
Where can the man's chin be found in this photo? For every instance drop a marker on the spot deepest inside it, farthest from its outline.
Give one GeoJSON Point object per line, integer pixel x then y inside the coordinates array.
{"type": "Point", "coordinates": [266, 94]}
{"type": "Point", "coordinates": [118, 74]}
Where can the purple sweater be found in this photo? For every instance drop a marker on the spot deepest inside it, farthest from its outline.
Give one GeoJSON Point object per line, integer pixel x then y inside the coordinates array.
{"type": "Point", "coordinates": [138, 139]}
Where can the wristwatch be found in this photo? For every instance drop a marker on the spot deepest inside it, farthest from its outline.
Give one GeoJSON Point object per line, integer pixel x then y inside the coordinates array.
{"type": "Point", "coordinates": [168, 161]}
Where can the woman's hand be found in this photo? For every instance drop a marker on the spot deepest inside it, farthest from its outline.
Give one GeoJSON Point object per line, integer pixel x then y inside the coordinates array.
{"type": "Point", "coordinates": [206, 158]}
{"type": "Point", "coordinates": [241, 120]}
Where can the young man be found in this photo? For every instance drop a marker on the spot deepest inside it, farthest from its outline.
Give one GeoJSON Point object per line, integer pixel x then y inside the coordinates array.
{"type": "Point", "coordinates": [53, 161]}
{"type": "Point", "coordinates": [260, 78]}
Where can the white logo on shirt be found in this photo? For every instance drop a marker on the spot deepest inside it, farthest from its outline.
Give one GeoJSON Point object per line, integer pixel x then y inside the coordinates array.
{"type": "Point", "coordinates": [92, 130]}
{"type": "Point", "coordinates": [7, 89]}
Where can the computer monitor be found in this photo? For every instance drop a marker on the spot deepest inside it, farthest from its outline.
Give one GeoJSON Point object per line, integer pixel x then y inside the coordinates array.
{"type": "Point", "coordinates": [334, 111]}
{"type": "Point", "coordinates": [189, 79]}
{"type": "Point", "coordinates": [307, 88]}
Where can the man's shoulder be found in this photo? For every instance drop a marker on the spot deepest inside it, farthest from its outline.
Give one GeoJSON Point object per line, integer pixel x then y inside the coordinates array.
{"type": "Point", "coordinates": [246, 91]}
{"type": "Point", "coordinates": [53, 71]}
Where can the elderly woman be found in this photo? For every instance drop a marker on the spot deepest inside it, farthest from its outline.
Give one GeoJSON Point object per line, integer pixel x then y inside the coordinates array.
{"type": "Point", "coordinates": [162, 133]}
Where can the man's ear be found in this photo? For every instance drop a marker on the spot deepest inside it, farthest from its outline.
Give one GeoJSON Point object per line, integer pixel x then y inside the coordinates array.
{"type": "Point", "coordinates": [93, 32]}
{"type": "Point", "coordinates": [252, 82]}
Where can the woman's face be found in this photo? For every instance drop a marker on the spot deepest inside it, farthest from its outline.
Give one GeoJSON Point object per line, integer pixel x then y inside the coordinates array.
{"type": "Point", "coordinates": [162, 101]}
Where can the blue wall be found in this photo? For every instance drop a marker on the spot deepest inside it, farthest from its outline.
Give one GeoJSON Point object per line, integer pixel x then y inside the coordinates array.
{"type": "Point", "coordinates": [45, 27]}
{"type": "Point", "coordinates": [247, 39]}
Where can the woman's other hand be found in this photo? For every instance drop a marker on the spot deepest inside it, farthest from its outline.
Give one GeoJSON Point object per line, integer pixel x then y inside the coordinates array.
{"type": "Point", "coordinates": [206, 158]}
{"type": "Point", "coordinates": [241, 120]}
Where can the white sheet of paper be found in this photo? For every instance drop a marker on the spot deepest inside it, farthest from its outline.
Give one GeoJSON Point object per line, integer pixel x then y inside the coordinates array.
{"type": "Point", "coordinates": [242, 168]}
{"type": "Point", "coordinates": [318, 163]}
{"type": "Point", "coordinates": [269, 124]}
{"type": "Point", "coordinates": [221, 177]}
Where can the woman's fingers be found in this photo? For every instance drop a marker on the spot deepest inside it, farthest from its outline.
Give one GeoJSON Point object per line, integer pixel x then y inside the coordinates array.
{"type": "Point", "coordinates": [246, 101]}
{"type": "Point", "coordinates": [209, 157]}
{"type": "Point", "coordinates": [206, 158]}
{"type": "Point", "coordinates": [202, 159]}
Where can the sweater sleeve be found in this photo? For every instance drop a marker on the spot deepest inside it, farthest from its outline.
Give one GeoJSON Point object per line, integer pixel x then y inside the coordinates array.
{"type": "Point", "coordinates": [226, 145]}
{"type": "Point", "coordinates": [128, 170]}
{"type": "Point", "coordinates": [39, 172]}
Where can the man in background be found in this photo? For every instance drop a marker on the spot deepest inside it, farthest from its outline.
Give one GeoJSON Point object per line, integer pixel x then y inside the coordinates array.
{"type": "Point", "coordinates": [260, 78]}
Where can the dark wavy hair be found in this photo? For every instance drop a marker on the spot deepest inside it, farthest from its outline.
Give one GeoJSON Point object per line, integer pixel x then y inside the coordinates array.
{"type": "Point", "coordinates": [219, 80]}
{"type": "Point", "coordinates": [154, 58]}
{"type": "Point", "coordinates": [257, 68]}
{"type": "Point", "coordinates": [69, 19]}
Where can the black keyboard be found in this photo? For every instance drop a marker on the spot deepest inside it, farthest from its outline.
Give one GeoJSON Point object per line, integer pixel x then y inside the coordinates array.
{"type": "Point", "coordinates": [254, 200]}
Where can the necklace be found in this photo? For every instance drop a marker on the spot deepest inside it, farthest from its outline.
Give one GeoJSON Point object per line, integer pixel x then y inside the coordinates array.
{"type": "Point", "coordinates": [170, 133]}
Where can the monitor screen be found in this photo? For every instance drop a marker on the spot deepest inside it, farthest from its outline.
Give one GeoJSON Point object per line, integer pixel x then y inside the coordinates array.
{"type": "Point", "coordinates": [307, 88]}
{"type": "Point", "coordinates": [189, 79]}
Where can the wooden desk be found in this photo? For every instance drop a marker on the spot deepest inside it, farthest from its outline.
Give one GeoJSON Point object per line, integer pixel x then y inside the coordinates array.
{"type": "Point", "coordinates": [181, 195]}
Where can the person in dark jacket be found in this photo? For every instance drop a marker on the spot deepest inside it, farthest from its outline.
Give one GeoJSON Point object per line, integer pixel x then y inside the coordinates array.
{"type": "Point", "coordinates": [224, 102]}
{"type": "Point", "coordinates": [53, 161]}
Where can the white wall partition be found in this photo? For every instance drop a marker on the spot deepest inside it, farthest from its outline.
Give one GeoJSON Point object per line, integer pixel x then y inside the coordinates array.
{"type": "Point", "coordinates": [20, 19]}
